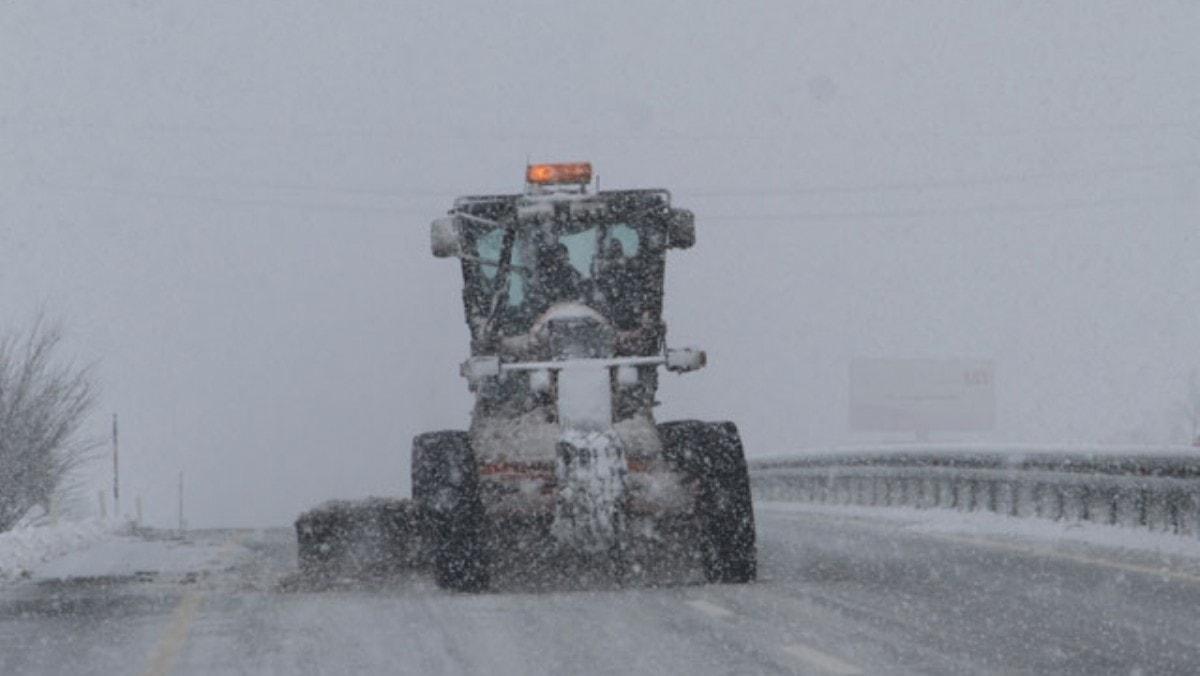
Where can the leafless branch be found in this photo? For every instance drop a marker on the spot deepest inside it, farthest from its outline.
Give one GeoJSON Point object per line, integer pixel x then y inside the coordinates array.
{"type": "Point", "coordinates": [44, 403]}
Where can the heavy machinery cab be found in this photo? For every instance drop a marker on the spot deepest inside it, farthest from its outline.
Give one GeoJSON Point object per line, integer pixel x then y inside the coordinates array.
{"type": "Point", "coordinates": [559, 274]}
{"type": "Point", "coordinates": [523, 254]}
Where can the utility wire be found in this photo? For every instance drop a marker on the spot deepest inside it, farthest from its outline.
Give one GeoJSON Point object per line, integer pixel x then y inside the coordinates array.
{"type": "Point", "coordinates": [697, 193]}
{"type": "Point", "coordinates": [1013, 208]}
{"type": "Point", "coordinates": [974, 181]}
{"type": "Point", "coordinates": [882, 214]}
{"type": "Point", "coordinates": [229, 201]}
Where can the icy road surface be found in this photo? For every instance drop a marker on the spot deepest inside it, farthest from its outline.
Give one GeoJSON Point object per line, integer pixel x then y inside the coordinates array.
{"type": "Point", "coordinates": [840, 593]}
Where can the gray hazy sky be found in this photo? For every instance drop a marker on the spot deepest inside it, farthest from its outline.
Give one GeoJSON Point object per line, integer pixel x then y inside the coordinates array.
{"type": "Point", "coordinates": [228, 203]}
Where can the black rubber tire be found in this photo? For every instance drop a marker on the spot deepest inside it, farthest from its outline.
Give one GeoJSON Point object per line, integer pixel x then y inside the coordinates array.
{"type": "Point", "coordinates": [445, 484]}
{"type": "Point", "coordinates": [712, 455]}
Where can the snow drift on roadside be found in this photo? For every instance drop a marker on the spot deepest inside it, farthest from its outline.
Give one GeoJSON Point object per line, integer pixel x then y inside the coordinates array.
{"type": "Point", "coordinates": [23, 549]}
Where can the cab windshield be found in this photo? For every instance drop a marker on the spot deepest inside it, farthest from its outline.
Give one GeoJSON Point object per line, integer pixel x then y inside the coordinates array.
{"type": "Point", "coordinates": [519, 274]}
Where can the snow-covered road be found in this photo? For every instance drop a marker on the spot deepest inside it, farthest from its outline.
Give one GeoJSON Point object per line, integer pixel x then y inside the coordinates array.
{"type": "Point", "coordinates": [841, 592]}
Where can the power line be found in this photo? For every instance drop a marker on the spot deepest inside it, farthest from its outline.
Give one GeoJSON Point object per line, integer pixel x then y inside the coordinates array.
{"type": "Point", "coordinates": [702, 193]}
{"type": "Point", "coordinates": [690, 193]}
{"type": "Point", "coordinates": [974, 181]}
{"type": "Point", "coordinates": [885, 214]}
{"type": "Point", "coordinates": [229, 201]}
{"type": "Point", "coordinates": [409, 134]}
{"type": "Point", "coordinates": [1073, 205]}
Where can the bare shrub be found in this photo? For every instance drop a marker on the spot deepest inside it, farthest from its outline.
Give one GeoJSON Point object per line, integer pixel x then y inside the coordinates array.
{"type": "Point", "coordinates": [44, 403]}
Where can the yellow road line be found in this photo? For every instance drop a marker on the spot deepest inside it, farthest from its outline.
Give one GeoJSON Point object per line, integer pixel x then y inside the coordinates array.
{"type": "Point", "coordinates": [171, 645]}
{"type": "Point", "coordinates": [821, 661]}
{"type": "Point", "coordinates": [1178, 576]}
{"type": "Point", "coordinates": [173, 641]}
{"type": "Point", "coordinates": [709, 608]}
{"type": "Point", "coordinates": [811, 657]}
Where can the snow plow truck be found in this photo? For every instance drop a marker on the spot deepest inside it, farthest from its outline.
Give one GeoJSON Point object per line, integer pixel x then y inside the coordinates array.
{"type": "Point", "coordinates": [563, 296]}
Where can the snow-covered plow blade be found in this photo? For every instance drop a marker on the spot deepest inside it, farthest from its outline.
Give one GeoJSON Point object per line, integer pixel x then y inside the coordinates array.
{"type": "Point", "coordinates": [360, 538]}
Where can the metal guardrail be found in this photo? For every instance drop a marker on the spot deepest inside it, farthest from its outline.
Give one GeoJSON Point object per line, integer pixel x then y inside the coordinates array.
{"type": "Point", "coordinates": [1156, 488]}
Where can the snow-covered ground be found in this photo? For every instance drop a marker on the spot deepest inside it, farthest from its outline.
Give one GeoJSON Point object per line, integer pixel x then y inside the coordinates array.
{"type": "Point", "coordinates": [840, 590]}
{"type": "Point", "coordinates": [24, 550]}
{"type": "Point", "coordinates": [127, 555]}
{"type": "Point", "coordinates": [952, 522]}
{"type": "Point", "coordinates": [96, 548]}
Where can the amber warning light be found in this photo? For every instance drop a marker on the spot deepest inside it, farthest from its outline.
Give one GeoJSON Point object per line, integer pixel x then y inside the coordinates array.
{"type": "Point", "coordinates": [547, 174]}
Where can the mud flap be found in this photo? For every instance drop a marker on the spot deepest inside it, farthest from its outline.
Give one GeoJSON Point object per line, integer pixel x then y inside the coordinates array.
{"type": "Point", "coordinates": [589, 512]}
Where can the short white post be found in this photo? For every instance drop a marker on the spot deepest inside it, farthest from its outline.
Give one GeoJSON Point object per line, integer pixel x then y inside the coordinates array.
{"type": "Point", "coordinates": [181, 521]}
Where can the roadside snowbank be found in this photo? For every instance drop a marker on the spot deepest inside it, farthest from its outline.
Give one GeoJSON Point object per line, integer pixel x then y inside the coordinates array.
{"type": "Point", "coordinates": [121, 556]}
{"type": "Point", "coordinates": [952, 522]}
{"type": "Point", "coordinates": [24, 549]}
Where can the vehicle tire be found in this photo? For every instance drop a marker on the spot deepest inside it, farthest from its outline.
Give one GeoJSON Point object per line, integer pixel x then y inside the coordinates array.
{"type": "Point", "coordinates": [712, 455]}
{"type": "Point", "coordinates": [445, 485]}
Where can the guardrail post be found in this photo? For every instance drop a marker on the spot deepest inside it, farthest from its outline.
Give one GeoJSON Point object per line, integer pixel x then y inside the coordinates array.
{"type": "Point", "coordinates": [1174, 498]}
{"type": "Point", "coordinates": [1156, 511]}
{"type": "Point", "coordinates": [1195, 513]}
{"type": "Point", "coordinates": [1028, 506]}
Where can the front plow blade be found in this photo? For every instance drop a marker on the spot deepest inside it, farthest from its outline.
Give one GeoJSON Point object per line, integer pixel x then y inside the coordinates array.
{"type": "Point", "coordinates": [368, 538]}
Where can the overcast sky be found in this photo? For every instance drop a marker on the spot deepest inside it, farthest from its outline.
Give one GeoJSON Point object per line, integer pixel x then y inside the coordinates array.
{"type": "Point", "coordinates": [228, 204]}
